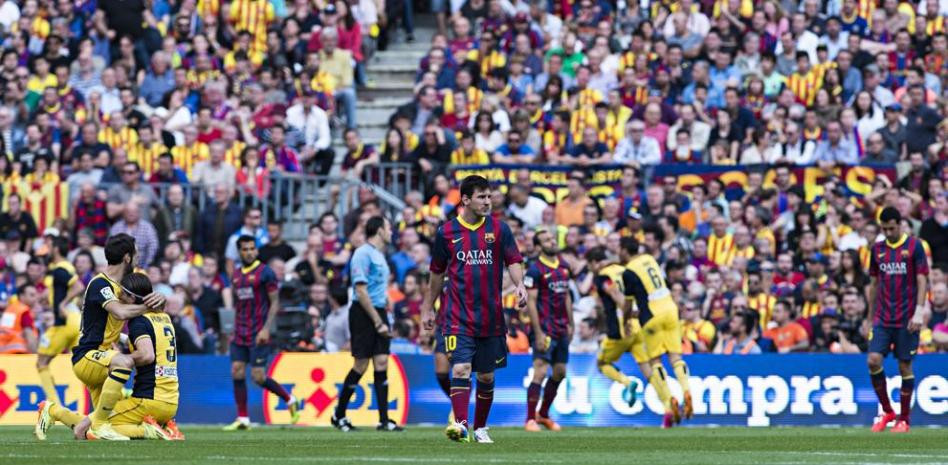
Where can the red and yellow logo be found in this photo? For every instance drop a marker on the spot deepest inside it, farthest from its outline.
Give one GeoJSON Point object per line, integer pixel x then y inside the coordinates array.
{"type": "Point", "coordinates": [21, 393]}
{"type": "Point", "coordinates": [317, 380]}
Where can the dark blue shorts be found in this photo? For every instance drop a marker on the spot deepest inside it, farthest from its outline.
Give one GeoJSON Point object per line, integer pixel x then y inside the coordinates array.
{"type": "Point", "coordinates": [557, 352]}
{"type": "Point", "coordinates": [485, 354]}
{"type": "Point", "coordinates": [439, 341]}
{"type": "Point", "coordinates": [902, 343]}
{"type": "Point", "coordinates": [255, 356]}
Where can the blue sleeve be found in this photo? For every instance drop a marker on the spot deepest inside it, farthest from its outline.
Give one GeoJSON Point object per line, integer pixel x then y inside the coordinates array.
{"type": "Point", "coordinates": [532, 278]}
{"type": "Point", "coordinates": [920, 259]}
{"type": "Point", "coordinates": [269, 280]}
{"type": "Point", "coordinates": [359, 267]}
{"type": "Point", "coordinates": [439, 253]}
{"type": "Point", "coordinates": [138, 327]}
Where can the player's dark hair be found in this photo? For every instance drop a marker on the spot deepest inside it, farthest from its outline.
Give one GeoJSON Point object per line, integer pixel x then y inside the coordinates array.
{"type": "Point", "coordinates": [890, 214]}
{"type": "Point", "coordinates": [596, 254]}
{"type": "Point", "coordinates": [473, 183]}
{"type": "Point", "coordinates": [138, 285]}
{"type": "Point", "coordinates": [536, 237]}
{"type": "Point", "coordinates": [630, 245]}
{"type": "Point", "coordinates": [374, 225]}
{"type": "Point", "coordinates": [243, 239]}
{"type": "Point", "coordinates": [117, 247]}
{"type": "Point", "coordinates": [61, 244]}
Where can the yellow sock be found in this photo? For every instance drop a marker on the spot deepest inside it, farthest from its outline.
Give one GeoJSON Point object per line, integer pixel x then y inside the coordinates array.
{"type": "Point", "coordinates": [49, 386]}
{"type": "Point", "coordinates": [681, 373]}
{"type": "Point", "coordinates": [111, 394]}
{"type": "Point", "coordinates": [661, 387]}
{"type": "Point", "coordinates": [614, 374]}
{"type": "Point", "coordinates": [132, 431]}
{"type": "Point", "coordinates": [64, 415]}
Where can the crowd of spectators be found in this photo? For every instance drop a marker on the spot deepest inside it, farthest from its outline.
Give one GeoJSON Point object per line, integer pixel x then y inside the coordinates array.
{"type": "Point", "coordinates": [764, 86]}
{"type": "Point", "coordinates": [105, 101]}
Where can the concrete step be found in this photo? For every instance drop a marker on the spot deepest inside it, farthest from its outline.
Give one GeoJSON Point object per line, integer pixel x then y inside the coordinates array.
{"type": "Point", "coordinates": [397, 58]}
{"type": "Point", "coordinates": [374, 117]}
{"type": "Point", "coordinates": [389, 90]}
{"type": "Point", "coordinates": [388, 103]}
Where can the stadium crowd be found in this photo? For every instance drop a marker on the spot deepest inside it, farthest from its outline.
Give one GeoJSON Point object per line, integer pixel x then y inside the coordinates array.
{"type": "Point", "coordinates": [106, 104]}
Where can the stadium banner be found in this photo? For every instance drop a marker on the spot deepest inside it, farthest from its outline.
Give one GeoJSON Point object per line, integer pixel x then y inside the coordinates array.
{"type": "Point", "coordinates": [549, 182]}
{"type": "Point", "coordinates": [753, 390]}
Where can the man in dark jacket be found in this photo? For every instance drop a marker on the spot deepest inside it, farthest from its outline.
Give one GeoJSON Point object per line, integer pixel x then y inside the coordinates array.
{"type": "Point", "coordinates": [217, 222]}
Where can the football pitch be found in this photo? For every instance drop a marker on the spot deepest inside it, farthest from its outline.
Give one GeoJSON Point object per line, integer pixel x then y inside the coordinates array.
{"type": "Point", "coordinates": [419, 445]}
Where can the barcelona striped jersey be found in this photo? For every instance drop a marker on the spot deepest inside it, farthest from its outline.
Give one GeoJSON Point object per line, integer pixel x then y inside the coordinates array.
{"type": "Point", "coordinates": [252, 286]}
{"type": "Point", "coordinates": [472, 257]}
{"type": "Point", "coordinates": [897, 267]}
{"type": "Point", "coordinates": [551, 281]}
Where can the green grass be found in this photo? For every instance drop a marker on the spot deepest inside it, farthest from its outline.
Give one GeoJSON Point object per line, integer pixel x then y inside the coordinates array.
{"type": "Point", "coordinates": [600, 446]}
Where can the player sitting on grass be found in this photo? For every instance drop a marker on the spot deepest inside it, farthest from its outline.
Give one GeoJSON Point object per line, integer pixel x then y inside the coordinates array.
{"type": "Point", "coordinates": [154, 399]}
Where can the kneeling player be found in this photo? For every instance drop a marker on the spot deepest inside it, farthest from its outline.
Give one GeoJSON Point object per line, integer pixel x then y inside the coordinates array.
{"type": "Point", "coordinates": [154, 399]}
{"type": "Point", "coordinates": [551, 316]}
{"type": "Point", "coordinates": [622, 334]}
{"type": "Point", "coordinates": [101, 369]}
{"type": "Point", "coordinates": [897, 309]}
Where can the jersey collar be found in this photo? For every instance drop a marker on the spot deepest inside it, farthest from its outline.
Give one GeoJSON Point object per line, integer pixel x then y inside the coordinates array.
{"type": "Point", "coordinates": [897, 243]}
{"type": "Point", "coordinates": [249, 268]}
{"type": "Point", "coordinates": [472, 227]}
{"type": "Point", "coordinates": [552, 264]}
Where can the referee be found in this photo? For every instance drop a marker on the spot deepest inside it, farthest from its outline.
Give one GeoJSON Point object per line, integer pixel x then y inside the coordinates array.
{"type": "Point", "coordinates": [368, 322]}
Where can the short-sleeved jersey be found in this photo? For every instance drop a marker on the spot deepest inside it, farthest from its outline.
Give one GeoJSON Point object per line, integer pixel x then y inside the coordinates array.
{"type": "Point", "coordinates": [98, 329]}
{"type": "Point", "coordinates": [252, 286]}
{"type": "Point", "coordinates": [159, 379]}
{"type": "Point", "coordinates": [551, 281]}
{"type": "Point", "coordinates": [651, 292]}
{"type": "Point", "coordinates": [472, 257]}
{"type": "Point", "coordinates": [368, 266]}
{"type": "Point", "coordinates": [606, 279]}
{"type": "Point", "coordinates": [59, 279]}
{"type": "Point", "coordinates": [897, 266]}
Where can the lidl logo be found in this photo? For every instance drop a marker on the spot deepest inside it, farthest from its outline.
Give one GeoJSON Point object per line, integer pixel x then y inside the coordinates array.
{"type": "Point", "coordinates": [317, 379]}
{"type": "Point", "coordinates": [21, 393]}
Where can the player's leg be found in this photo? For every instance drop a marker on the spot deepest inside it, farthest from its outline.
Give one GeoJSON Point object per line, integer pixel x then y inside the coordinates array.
{"type": "Point", "coordinates": [460, 351]}
{"type": "Point", "coordinates": [441, 364]}
{"type": "Point", "coordinates": [380, 384]}
{"type": "Point", "coordinates": [490, 354]}
{"type": "Point", "coordinates": [906, 344]}
{"type": "Point", "coordinates": [259, 359]}
{"type": "Point", "coordinates": [359, 365]}
{"type": "Point", "coordinates": [879, 344]}
{"type": "Point", "coordinates": [51, 344]}
{"type": "Point", "coordinates": [559, 356]}
{"type": "Point", "coordinates": [120, 370]}
{"type": "Point", "coordinates": [540, 367]}
{"type": "Point", "coordinates": [127, 418]}
{"type": "Point", "coordinates": [671, 344]}
{"type": "Point", "coordinates": [609, 352]}
{"type": "Point", "coordinates": [49, 413]}
{"type": "Point", "coordinates": [239, 356]}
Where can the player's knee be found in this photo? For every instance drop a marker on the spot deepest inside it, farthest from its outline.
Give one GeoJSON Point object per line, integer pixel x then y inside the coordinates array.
{"type": "Point", "coordinates": [42, 361]}
{"type": "Point", "coordinates": [559, 372]}
{"type": "Point", "coordinates": [380, 362]}
{"type": "Point", "coordinates": [874, 361]}
{"type": "Point", "coordinates": [122, 361]}
{"type": "Point", "coordinates": [258, 376]}
{"type": "Point", "coordinates": [461, 370]}
{"type": "Point", "coordinates": [905, 368]}
{"type": "Point", "coordinates": [360, 365]}
{"type": "Point", "coordinates": [485, 377]}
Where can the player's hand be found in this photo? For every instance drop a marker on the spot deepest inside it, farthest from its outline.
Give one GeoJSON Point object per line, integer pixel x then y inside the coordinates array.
{"type": "Point", "coordinates": [541, 341]}
{"type": "Point", "coordinates": [521, 297]}
{"type": "Point", "coordinates": [155, 301]}
{"type": "Point", "coordinates": [427, 322]}
{"type": "Point", "coordinates": [569, 331]}
{"type": "Point", "coordinates": [382, 329]}
{"type": "Point", "coordinates": [918, 320]}
{"type": "Point", "coordinates": [263, 337]}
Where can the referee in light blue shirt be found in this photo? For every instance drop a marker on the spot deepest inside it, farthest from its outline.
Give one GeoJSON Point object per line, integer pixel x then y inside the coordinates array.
{"type": "Point", "coordinates": [368, 322]}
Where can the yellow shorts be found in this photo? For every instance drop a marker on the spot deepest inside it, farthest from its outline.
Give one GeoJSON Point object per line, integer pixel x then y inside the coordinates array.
{"type": "Point", "coordinates": [133, 410]}
{"type": "Point", "coordinates": [92, 369]}
{"type": "Point", "coordinates": [662, 333]}
{"type": "Point", "coordinates": [611, 349]}
{"type": "Point", "coordinates": [59, 339]}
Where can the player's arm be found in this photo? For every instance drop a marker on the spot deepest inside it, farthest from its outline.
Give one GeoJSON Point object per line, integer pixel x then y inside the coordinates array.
{"type": "Point", "coordinates": [873, 295]}
{"type": "Point", "coordinates": [514, 262]}
{"type": "Point", "coordinates": [144, 352]}
{"type": "Point", "coordinates": [634, 292]}
{"type": "Point", "coordinates": [921, 307]}
{"type": "Point", "coordinates": [123, 311]}
{"type": "Point", "coordinates": [539, 336]}
{"type": "Point", "coordinates": [435, 285]}
{"type": "Point", "coordinates": [569, 316]}
{"type": "Point", "coordinates": [516, 275]}
{"type": "Point", "coordinates": [75, 289]}
{"type": "Point", "coordinates": [263, 337]}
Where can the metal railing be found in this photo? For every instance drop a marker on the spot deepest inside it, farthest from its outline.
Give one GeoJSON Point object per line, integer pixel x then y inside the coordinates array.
{"type": "Point", "coordinates": [396, 178]}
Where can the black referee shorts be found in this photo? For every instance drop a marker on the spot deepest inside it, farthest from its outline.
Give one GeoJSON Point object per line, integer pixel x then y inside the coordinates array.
{"type": "Point", "coordinates": [366, 341]}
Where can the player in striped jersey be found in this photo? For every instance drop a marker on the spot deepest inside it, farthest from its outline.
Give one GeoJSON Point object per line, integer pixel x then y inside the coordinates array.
{"type": "Point", "coordinates": [551, 316]}
{"type": "Point", "coordinates": [898, 308]}
{"type": "Point", "coordinates": [472, 250]}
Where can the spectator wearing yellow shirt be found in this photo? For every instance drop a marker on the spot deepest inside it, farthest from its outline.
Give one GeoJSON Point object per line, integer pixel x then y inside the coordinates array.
{"type": "Point", "coordinates": [338, 63]}
{"type": "Point", "coordinates": [697, 334]}
{"type": "Point", "coordinates": [117, 134]}
{"type": "Point", "coordinates": [467, 153]}
{"type": "Point", "coordinates": [255, 17]}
